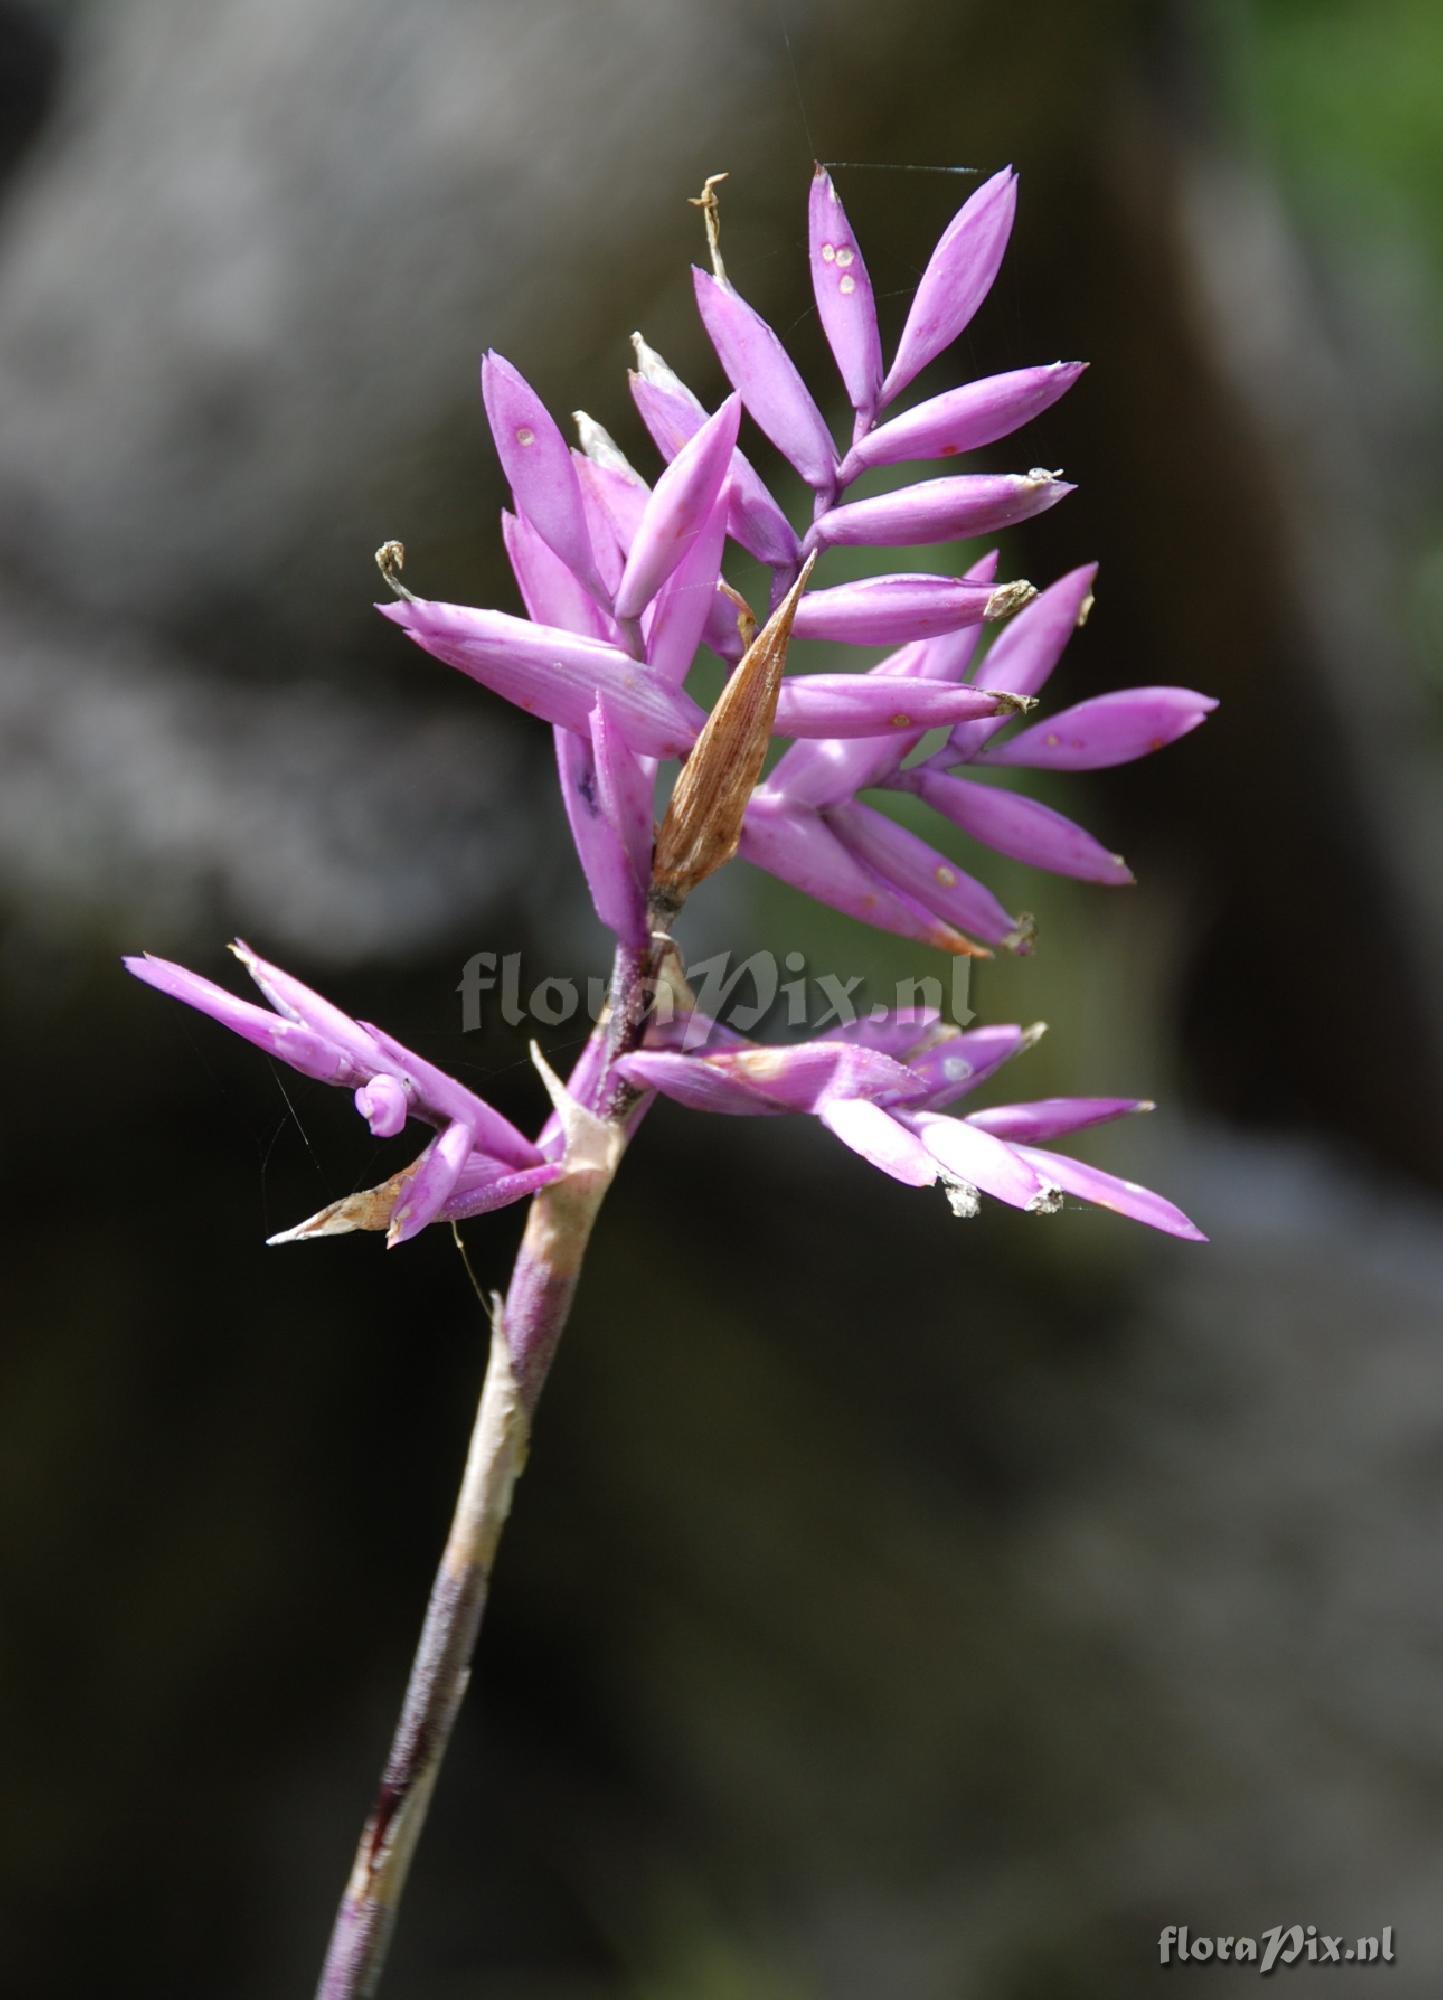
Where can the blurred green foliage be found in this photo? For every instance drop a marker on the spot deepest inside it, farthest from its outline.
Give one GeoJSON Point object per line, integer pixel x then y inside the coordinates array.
{"type": "Point", "coordinates": [1346, 97]}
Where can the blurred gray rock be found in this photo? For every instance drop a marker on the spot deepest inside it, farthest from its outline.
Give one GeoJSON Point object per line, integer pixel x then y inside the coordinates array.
{"type": "Point", "coordinates": [139, 800]}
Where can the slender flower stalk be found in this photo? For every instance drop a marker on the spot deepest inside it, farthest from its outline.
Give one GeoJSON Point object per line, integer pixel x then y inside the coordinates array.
{"type": "Point", "coordinates": [623, 584]}
{"type": "Point", "coordinates": [525, 1329]}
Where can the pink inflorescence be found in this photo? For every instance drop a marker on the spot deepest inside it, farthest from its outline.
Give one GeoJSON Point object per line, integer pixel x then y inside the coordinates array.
{"type": "Point", "coordinates": [622, 584]}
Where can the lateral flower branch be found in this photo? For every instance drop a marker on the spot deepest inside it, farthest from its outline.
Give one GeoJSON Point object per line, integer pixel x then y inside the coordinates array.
{"type": "Point", "coordinates": [622, 585]}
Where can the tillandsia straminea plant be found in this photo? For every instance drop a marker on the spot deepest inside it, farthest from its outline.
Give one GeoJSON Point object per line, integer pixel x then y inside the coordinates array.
{"type": "Point", "coordinates": [623, 583]}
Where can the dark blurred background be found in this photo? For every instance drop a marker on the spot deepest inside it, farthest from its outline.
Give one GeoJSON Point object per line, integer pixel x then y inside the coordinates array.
{"type": "Point", "coordinates": [892, 1607]}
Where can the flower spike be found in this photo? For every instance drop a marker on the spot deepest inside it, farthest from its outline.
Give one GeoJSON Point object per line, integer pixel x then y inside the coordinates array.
{"type": "Point", "coordinates": [887, 1105]}
{"type": "Point", "coordinates": [623, 584]}
{"type": "Point", "coordinates": [477, 1158]}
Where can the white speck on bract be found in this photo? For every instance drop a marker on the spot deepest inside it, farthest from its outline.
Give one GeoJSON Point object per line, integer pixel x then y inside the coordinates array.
{"type": "Point", "coordinates": [525, 435]}
{"type": "Point", "coordinates": [828, 253]}
{"type": "Point", "coordinates": [844, 258]}
{"type": "Point", "coordinates": [847, 285]}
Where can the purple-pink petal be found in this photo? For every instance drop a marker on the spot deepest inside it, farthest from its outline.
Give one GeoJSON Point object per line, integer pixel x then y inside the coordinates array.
{"type": "Point", "coordinates": [384, 1104]}
{"type": "Point", "coordinates": [762, 372]}
{"type": "Point", "coordinates": [1126, 1198]}
{"type": "Point", "coordinates": [672, 414]}
{"type": "Point", "coordinates": [670, 411]}
{"type": "Point", "coordinates": [844, 295]}
{"type": "Point", "coordinates": [826, 773]}
{"type": "Point", "coordinates": [485, 1184]}
{"type": "Point", "coordinates": [553, 674]}
{"type": "Point", "coordinates": [1022, 656]}
{"type": "Point", "coordinates": [303, 1048]}
{"type": "Point", "coordinates": [1110, 729]}
{"type": "Point", "coordinates": [958, 277]}
{"type": "Point", "coordinates": [843, 706]}
{"type": "Point", "coordinates": [600, 528]}
{"type": "Point", "coordinates": [549, 590]}
{"type": "Point", "coordinates": [890, 610]}
{"type": "Point", "coordinates": [876, 1135]}
{"type": "Point", "coordinates": [446, 1099]}
{"type": "Point", "coordinates": [896, 1031]}
{"type": "Point", "coordinates": [722, 630]}
{"type": "Point", "coordinates": [962, 420]}
{"type": "Point", "coordinates": [901, 858]}
{"type": "Point", "coordinates": [947, 656]}
{"type": "Point", "coordinates": [978, 1160]}
{"type": "Point", "coordinates": [807, 1075]}
{"type": "Point", "coordinates": [628, 789]}
{"type": "Point", "coordinates": [289, 996]}
{"type": "Point", "coordinates": [434, 1178]}
{"type": "Point", "coordinates": [677, 508]}
{"type": "Point", "coordinates": [689, 603]}
{"type": "Point", "coordinates": [831, 770]}
{"type": "Point", "coordinates": [954, 1067]}
{"type": "Point", "coordinates": [799, 847]}
{"type": "Point", "coordinates": [616, 894]}
{"type": "Point", "coordinates": [1022, 828]}
{"type": "Point", "coordinates": [693, 1033]}
{"type": "Point", "coordinates": [694, 1082]}
{"type": "Point", "coordinates": [537, 462]}
{"type": "Point", "coordinates": [1051, 1117]}
{"type": "Point", "coordinates": [941, 510]}
{"type": "Point", "coordinates": [617, 497]}
{"type": "Point", "coordinates": [755, 522]}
